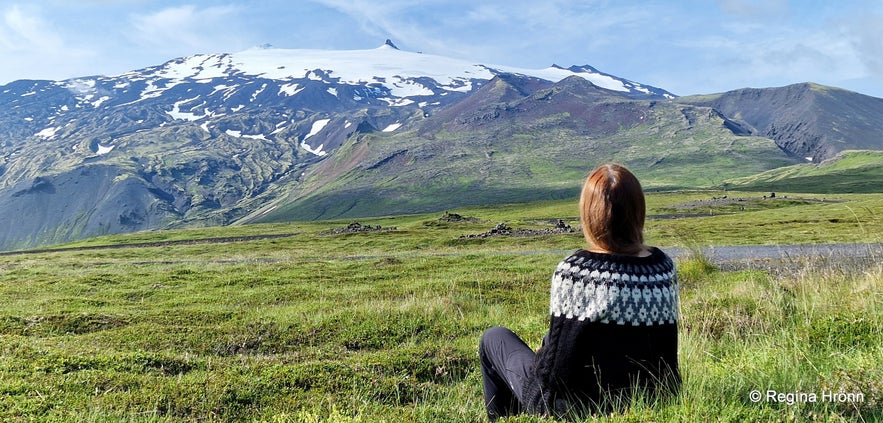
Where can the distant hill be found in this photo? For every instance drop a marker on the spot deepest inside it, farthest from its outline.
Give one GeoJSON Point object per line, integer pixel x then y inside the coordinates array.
{"type": "Point", "coordinates": [847, 172]}
{"type": "Point", "coordinates": [807, 120]}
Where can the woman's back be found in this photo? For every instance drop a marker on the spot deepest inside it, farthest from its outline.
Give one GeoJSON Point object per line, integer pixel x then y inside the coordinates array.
{"type": "Point", "coordinates": [613, 317]}
{"type": "Point", "coordinates": [613, 329]}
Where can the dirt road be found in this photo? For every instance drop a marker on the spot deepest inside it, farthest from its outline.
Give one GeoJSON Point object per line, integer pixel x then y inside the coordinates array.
{"type": "Point", "coordinates": [765, 256]}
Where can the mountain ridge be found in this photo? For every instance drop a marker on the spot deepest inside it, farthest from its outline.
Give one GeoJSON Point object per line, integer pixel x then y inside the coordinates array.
{"type": "Point", "coordinates": [813, 125]}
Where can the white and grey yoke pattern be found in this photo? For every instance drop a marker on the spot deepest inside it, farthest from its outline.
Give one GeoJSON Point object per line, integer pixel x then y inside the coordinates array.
{"type": "Point", "coordinates": [623, 290]}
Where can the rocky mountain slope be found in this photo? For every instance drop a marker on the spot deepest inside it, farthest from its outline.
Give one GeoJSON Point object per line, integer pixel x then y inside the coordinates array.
{"type": "Point", "coordinates": [272, 134]}
{"type": "Point", "coordinates": [807, 120]}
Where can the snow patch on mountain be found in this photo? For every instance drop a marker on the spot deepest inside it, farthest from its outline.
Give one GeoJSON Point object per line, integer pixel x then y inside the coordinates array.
{"type": "Point", "coordinates": [315, 129]}
{"type": "Point", "coordinates": [279, 128]}
{"type": "Point", "coordinates": [290, 89]}
{"type": "Point", "coordinates": [395, 69]}
{"type": "Point", "coordinates": [100, 100]}
{"type": "Point", "coordinates": [317, 151]}
{"type": "Point", "coordinates": [398, 101]}
{"type": "Point", "coordinates": [392, 127]}
{"type": "Point", "coordinates": [406, 88]}
{"type": "Point", "coordinates": [239, 134]}
{"type": "Point", "coordinates": [102, 150]}
{"type": "Point", "coordinates": [48, 133]}
{"type": "Point", "coordinates": [176, 112]}
{"type": "Point", "coordinates": [79, 86]}
{"type": "Point", "coordinates": [317, 126]}
{"type": "Point", "coordinates": [154, 91]}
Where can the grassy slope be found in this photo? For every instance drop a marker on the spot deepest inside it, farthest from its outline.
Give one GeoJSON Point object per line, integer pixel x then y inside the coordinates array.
{"type": "Point", "coordinates": [384, 326]}
{"type": "Point", "coordinates": [851, 171]}
{"type": "Point", "coordinates": [510, 160]}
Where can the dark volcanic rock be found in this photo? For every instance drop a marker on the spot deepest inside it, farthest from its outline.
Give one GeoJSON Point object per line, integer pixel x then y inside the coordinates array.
{"type": "Point", "coordinates": [454, 217]}
{"type": "Point", "coordinates": [356, 227]}
{"type": "Point", "coordinates": [503, 229]}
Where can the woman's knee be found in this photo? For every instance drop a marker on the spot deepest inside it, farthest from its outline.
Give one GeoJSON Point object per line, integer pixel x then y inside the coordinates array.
{"type": "Point", "coordinates": [494, 334]}
{"type": "Point", "coordinates": [497, 332]}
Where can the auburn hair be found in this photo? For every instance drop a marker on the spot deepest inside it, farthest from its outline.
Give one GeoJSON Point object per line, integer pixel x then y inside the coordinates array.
{"type": "Point", "coordinates": [612, 210]}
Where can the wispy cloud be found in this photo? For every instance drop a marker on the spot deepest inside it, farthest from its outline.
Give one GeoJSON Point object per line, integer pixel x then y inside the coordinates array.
{"type": "Point", "coordinates": [866, 35]}
{"type": "Point", "coordinates": [33, 47]}
{"type": "Point", "coordinates": [189, 28]}
{"type": "Point", "coordinates": [500, 31]}
{"type": "Point", "coordinates": [24, 29]}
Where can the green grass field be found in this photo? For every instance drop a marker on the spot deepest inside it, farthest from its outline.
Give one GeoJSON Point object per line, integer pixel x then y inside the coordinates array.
{"type": "Point", "coordinates": [283, 322]}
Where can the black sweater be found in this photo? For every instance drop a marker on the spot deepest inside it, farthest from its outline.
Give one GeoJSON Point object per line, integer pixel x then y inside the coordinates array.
{"type": "Point", "coordinates": [613, 329]}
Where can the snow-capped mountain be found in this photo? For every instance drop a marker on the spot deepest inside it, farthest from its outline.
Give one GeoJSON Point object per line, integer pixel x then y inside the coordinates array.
{"type": "Point", "coordinates": [209, 87]}
{"type": "Point", "coordinates": [389, 74]}
{"type": "Point", "coordinates": [213, 139]}
{"type": "Point", "coordinates": [201, 138]}
{"type": "Point", "coordinates": [204, 86]}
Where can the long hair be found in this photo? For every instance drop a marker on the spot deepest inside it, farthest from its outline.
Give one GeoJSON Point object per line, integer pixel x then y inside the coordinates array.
{"type": "Point", "coordinates": [612, 210]}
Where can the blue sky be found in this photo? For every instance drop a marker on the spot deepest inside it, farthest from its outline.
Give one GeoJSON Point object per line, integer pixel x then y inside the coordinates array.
{"type": "Point", "coordinates": [686, 47]}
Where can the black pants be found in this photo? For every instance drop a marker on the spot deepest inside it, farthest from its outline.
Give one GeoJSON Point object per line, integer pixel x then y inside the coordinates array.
{"type": "Point", "coordinates": [506, 362]}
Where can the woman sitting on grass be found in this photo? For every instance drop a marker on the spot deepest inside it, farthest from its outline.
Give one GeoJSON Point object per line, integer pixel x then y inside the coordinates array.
{"type": "Point", "coordinates": [613, 327]}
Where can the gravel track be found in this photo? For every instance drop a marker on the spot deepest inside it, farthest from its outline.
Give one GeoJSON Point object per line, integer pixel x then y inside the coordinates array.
{"type": "Point", "coordinates": [848, 255]}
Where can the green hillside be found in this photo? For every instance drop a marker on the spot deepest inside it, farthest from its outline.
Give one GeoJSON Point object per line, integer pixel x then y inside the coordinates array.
{"type": "Point", "coordinates": [849, 171]}
{"type": "Point", "coordinates": [504, 153]}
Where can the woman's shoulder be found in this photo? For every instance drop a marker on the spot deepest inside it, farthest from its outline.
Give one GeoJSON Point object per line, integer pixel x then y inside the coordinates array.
{"type": "Point", "coordinates": [657, 262]}
{"type": "Point", "coordinates": [583, 256]}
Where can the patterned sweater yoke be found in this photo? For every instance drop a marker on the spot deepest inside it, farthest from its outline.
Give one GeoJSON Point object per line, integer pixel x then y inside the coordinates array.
{"type": "Point", "coordinates": [623, 290]}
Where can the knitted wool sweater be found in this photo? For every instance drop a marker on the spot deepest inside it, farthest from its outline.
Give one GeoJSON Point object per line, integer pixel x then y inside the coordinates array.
{"type": "Point", "coordinates": [613, 328]}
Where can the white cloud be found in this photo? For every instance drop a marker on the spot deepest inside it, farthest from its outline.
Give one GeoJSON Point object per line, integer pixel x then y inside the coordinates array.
{"type": "Point", "coordinates": [190, 29]}
{"type": "Point", "coordinates": [33, 47]}
{"type": "Point", "coordinates": [866, 36]}
{"type": "Point", "coordinates": [23, 30]}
